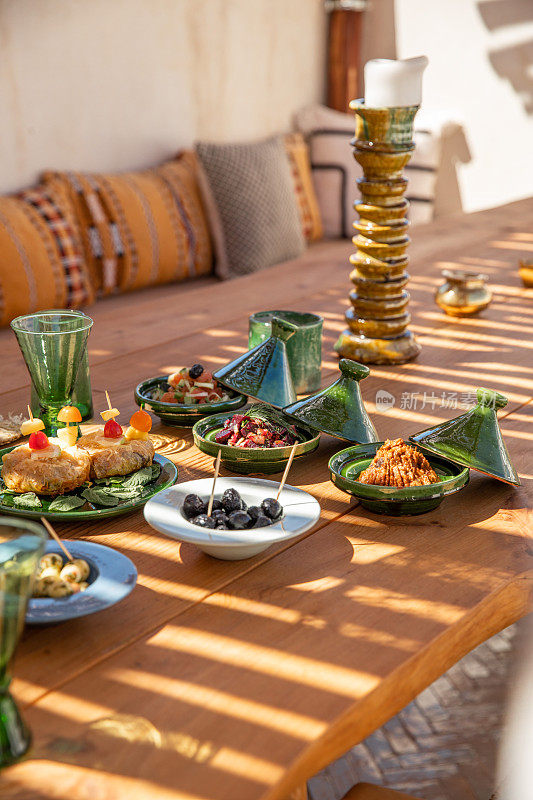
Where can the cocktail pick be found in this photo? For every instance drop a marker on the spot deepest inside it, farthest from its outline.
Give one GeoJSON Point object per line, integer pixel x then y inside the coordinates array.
{"type": "Point", "coordinates": [286, 471]}
{"type": "Point", "coordinates": [54, 535]}
{"type": "Point", "coordinates": [30, 413]}
{"type": "Point", "coordinates": [110, 412]}
{"type": "Point", "coordinates": [215, 476]}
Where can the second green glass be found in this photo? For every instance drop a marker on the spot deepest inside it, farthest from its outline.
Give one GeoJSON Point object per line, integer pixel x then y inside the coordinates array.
{"type": "Point", "coordinates": [304, 349]}
{"type": "Point", "coordinates": [21, 546]}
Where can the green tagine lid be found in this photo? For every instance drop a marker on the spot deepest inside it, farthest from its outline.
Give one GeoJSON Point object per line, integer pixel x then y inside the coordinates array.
{"type": "Point", "coordinates": [339, 409]}
{"type": "Point", "coordinates": [264, 371]}
{"type": "Point", "coordinates": [474, 439]}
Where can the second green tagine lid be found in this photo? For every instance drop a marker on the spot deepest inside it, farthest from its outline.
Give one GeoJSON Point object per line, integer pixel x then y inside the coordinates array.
{"type": "Point", "coordinates": [338, 410]}
{"type": "Point", "coordinates": [474, 439]}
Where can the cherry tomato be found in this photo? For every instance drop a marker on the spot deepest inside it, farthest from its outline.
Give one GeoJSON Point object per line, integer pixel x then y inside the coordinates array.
{"type": "Point", "coordinates": [112, 430]}
{"type": "Point", "coordinates": [38, 441]}
{"type": "Point", "coordinates": [142, 421]}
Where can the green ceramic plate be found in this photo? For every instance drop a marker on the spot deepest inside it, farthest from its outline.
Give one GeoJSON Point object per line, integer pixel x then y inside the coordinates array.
{"type": "Point", "coordinates": [257, 460]}
{"type": "Point", "coordinates": [167, 477]}
{"type": "Point", "coordinates": [178, 413]}
{"type": "Point", "coordinates": [346, 466]}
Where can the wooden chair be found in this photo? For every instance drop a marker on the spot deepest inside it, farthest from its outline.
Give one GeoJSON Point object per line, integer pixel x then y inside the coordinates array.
{"type": "Point", "coordinates": [369, 791]}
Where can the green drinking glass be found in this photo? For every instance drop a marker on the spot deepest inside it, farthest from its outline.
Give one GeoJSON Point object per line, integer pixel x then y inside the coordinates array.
{"type": "Point", "coordinates": [81, 393]}
{"type": "Point", "coordinates": [53, 344]}
{"type": "Point", "coordinates": [304, 349]}
{"type": "Point", "coordinates": [21, 547]}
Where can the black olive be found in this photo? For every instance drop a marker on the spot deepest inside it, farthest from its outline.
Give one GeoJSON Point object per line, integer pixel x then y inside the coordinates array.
{"type": "Point", "coordinates": [203, 521]}
{"type": "Point", "coordinates": [220, 526]}
{"type": "Point", "coordinates": [231, 501]}
{"type": "Point", "coordinates": [193, 505]}
{"type": "Point", "coordinates": [262, 521]}
{"type": "Point", "coordinates": [239, 520]}
{"type": "Point", "coordinates": [217, 505]}
{"type": "Point", "coordinates": [253, 512]}
{"type": "Point", "coordinates": [195, 371]}
{"type": "Point", "coordinates": [272, 508]}
{"type": "Point", "coordinates": [220, 517]}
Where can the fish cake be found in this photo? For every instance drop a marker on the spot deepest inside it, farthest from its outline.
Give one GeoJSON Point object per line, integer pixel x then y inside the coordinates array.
{"type": "Point", "coordinates": [46, 472]}
{"type": "Point", "coordinates": [115, 456]}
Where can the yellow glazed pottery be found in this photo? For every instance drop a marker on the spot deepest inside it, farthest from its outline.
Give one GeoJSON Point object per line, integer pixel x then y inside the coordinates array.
{"type": "Point", "coordinates": [463, 293]}
{"type": "Point", "coordinates": [377, 321]}
{"type": "Point", "coordinates": [526, 273]}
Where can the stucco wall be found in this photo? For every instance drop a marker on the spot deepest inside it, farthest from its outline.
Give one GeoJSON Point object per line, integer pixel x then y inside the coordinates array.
{"type": "Point", "coordinates": [481, 70]}
{"type": "Point", "coordinates": [119, 84]}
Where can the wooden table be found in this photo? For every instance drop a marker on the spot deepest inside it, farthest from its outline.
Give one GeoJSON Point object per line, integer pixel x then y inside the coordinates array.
{"type": "Point", "coordinates": [239, 680]}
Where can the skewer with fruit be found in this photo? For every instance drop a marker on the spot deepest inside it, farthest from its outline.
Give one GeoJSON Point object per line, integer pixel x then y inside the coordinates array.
{"type": "Point", "coordinates": [112, 429]}
{"type": "Point", "coordinates": [71, 416]}
{"type": "Point", "coordinates": [39, 443]}
{"type": "Point", "coordinates": [139, 428]}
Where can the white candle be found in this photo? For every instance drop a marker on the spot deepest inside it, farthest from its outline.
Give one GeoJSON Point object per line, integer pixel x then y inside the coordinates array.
{"type": "Point", "coordinates": [394, 83]}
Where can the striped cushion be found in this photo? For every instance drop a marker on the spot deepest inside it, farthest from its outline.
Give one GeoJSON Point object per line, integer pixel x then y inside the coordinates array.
{"type": "Point", "coordinates": [141, 228]}
{"type": "Point", "coordinates": [41, 262]}
{"type": "Point", "coordinates": [298, 155]}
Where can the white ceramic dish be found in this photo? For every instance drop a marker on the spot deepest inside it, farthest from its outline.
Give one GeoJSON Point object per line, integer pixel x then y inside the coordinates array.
{"type": "Point", "coordinates": [300, 512]}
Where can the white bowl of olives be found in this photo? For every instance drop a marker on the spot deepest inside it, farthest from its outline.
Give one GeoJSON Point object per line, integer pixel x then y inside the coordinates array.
{"type": "Point", "coordinates": [245, 520]}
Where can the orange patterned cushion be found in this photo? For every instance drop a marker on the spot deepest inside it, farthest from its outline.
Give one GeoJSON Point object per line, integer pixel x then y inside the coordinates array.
{"type": "Point", "coordinates": [298, 155]}
{"type": "Point", "coordinates": [141, 228]}
{"type": "Point", "coordinates": [41, 262]}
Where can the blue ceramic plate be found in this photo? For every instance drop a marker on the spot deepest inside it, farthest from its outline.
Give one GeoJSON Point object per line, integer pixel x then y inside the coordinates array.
{"type": "Point", "coordinates": [111, 579]}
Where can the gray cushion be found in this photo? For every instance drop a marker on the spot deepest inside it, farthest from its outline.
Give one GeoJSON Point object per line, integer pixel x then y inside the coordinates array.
{"type": "Point", "coordinates": [254, 192]}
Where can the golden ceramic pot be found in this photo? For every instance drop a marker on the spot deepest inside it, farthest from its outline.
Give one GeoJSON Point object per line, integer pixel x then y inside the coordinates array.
{"type": "Point", "coordinates": [526, 273]}
{"type": "Point", "coordinates": [463, 293]}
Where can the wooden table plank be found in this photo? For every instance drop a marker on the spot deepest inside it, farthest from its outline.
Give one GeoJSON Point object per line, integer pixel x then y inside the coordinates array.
{"type": "Point", "coordinates": [146, 691]}
{"type": "Point", "coordinates": [265, 682]}
{"type": "Point", "coordinates": [172, 577]}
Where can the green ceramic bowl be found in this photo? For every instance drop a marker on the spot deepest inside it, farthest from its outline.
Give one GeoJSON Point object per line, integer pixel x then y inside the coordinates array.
{"type": "Point", "coordinates": [256, 460]}
{"type": "Point", "coordinates": [178, 413]}
{"type": "Point", "coordinates": [346, 466]}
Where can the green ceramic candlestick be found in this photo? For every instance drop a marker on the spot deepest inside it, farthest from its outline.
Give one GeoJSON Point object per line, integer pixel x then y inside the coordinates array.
{"type": "Point", "coordinates": [377, 321]}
